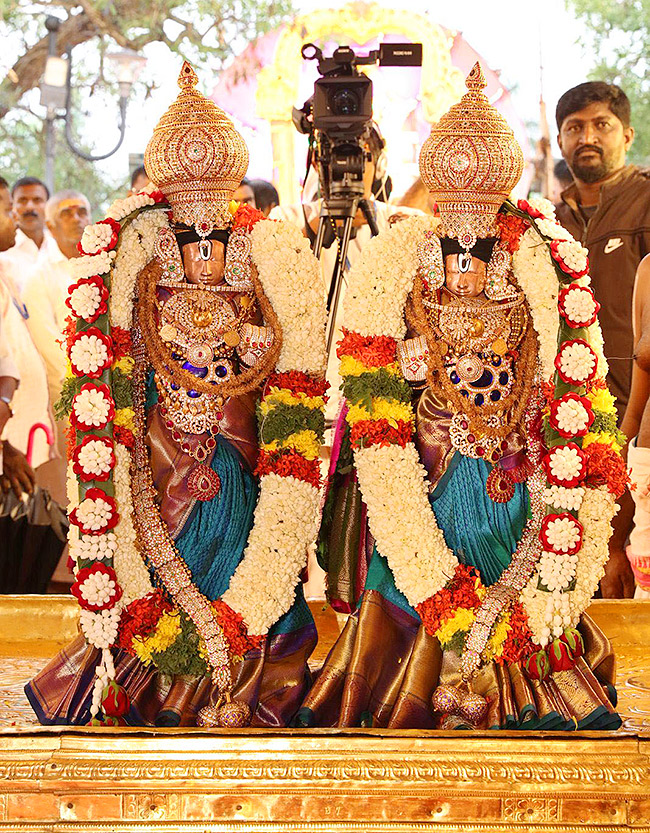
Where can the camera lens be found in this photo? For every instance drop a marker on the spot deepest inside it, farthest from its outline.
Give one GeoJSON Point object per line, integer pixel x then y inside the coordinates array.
{"type": "Point", "coordinates": [344, 102]}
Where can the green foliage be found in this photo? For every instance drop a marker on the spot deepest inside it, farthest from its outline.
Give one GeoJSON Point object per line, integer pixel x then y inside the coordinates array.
{"type": "Point", "coordinates": [618, 35]}
{"type": "Point", "coordinates": [207, 32]}
{"type": "Point", "coordinates": [182, 657]}
{"type": "Point", "coordinates": [122, 389]}
{"type": "Point", "coordinates": [283, 420]}
{"type": "Point", "coordinates": [69, 389]}
{"type": "Point", "coordinates": [360, 390]}
{"type": "Point", "coordinates": [604, 422]}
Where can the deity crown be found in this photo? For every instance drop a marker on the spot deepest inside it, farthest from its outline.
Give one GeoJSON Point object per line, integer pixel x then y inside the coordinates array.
{"type": "Point", "coordinates": [196, 158]}
{"type": "Point", "coordinates": [470, 163]}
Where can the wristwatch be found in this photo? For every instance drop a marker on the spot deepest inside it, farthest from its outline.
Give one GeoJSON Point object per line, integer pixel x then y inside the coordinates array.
{"type": "Point", "coordinates": [7, 401]}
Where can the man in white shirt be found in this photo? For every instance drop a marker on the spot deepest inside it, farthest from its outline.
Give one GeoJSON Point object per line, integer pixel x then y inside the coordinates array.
{"type": "Point", "coordinates": [33, 240]}
{"type": "Point", "coordinates": [22, 406]}
{"type": "Point", "coordinates": [67, 214]}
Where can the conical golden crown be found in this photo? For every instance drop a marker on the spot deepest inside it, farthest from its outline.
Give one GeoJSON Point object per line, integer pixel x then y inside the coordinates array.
{"type": "Point", "coordinates": [196, 157]}
{"type": "Point", "coordinates": [470, 163]}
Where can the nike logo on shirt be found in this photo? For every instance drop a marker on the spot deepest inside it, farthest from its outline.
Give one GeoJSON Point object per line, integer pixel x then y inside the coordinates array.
{"type": "Point", "coordinates": [612, 244]}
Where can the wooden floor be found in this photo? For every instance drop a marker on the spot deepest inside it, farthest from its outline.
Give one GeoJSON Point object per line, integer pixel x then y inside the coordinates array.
{"type": "Point", "coordinates": [62, 779]}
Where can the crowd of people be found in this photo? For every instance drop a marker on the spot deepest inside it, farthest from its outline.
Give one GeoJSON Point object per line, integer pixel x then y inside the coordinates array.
{"type": "Point", "coordinates": [601, 199]}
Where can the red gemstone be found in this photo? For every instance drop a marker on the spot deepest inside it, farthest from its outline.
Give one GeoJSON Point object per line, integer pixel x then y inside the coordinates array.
{"type": "Point", "coordinates": [203, 483]}
{"type": "Point", "coordinates": [480, 450]}
{"type": "Point", "coordinates": [471, 438]}
{"type": "Point", "coordinates": [211, 442]}
{"type": "Point", "coordinates": [464, 425]}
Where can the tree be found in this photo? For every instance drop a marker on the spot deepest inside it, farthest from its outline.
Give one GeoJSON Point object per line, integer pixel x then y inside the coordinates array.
{"type": "Point", "coordinates": [618, 34]}
{"type": "Point", "coordinates": [198, 29]}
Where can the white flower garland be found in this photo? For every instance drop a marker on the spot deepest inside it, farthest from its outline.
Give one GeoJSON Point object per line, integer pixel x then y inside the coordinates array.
{"type": "Point", "coordinates": [410, 539]}
{"type": "Point", "coordinates": [382, 279]}
{"type": "Point", "coordinates": [263, 586]}
{"type": "Point", "coordinates": [538, 280]}
{"type": "Point", "coordinates": [129, 567]}
{"type": "Point", "coordinates": [550, 613]}
{"type": "Point", "coordinates": [290, 276]}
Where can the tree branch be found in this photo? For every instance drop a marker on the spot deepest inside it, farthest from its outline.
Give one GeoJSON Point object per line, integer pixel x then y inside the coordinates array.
{"type": "Point", "coordinates": [28, 69]}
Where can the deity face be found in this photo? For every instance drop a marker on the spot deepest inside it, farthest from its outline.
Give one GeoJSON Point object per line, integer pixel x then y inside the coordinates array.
{"type": "Point", "coordinates": [204, 268]}
{"type": "Point", "coordinates": [468, 284]}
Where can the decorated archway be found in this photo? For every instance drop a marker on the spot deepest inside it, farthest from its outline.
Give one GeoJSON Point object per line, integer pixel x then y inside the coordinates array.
{"type": "Point", "coordinates": [263, 84]}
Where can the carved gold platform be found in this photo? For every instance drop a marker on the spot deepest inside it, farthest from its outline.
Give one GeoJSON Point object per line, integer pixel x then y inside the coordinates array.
{"type": "Point", "coordinates": [61, 779]}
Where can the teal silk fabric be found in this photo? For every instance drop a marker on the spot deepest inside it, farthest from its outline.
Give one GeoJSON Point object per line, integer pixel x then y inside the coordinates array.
{"type": "Point", "coordinates": [214, 537]}
{"type": "Point", "coordinates": [478, 531]}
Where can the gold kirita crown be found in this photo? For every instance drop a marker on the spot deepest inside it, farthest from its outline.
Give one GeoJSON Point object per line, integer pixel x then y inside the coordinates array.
{"type": "Point", "coordinates": [470, 163]}
{"type": "Point", "coordinates": [196, 158]}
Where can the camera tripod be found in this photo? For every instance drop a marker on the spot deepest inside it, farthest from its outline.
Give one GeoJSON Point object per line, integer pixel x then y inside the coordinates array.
{"type": "Point", "coordinates": [336, 209]}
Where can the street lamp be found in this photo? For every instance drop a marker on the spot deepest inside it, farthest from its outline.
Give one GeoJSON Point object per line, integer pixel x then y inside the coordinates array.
{"type": "Point", "coordinates": [56, 93]}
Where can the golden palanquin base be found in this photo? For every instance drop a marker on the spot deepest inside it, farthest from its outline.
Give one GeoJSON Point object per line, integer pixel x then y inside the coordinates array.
{"type": "Point", "coordinates": [61, 779]}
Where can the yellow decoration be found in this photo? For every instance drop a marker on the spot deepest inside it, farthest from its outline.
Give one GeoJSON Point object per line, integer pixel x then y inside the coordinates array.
{"type": "Point", "coordinates": [602, 400]}
{"type": "Point", "coordinates": [304, 442]}
{"type": "Point", "coordinates": [282, 396]}
{"type": "Point", "coordinates": [166, 633]}
{"type": "Point", "coordinates": [196, 157]}
{"type": "Point", "coordinates": [390, 409]}
{"type": "Point", "coordinates": [124, 417]}
{"type": "Point", "coordinates": [601, 437]}
{"type": "Point", "coordinates": [125, 364]}
{"type": "Point", "coordinates": [500, 632]}
{"type": "Point", "coordinates": [471, 162]}
{"type": "Point", "coordinates": [353, 367]}
{"type": "Point", "coordinates": [462, 620]}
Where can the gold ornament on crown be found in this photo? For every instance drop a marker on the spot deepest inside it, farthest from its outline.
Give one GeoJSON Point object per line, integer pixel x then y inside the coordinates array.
{"type": "Point", "coordinates": [196, 158]}
{"type": "Point", "coordinates": [470, 163]}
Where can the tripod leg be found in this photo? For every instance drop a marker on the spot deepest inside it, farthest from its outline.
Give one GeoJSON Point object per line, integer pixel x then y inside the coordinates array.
{"type": "Point", "coordinates": [337, 279]}
{"type": "Point", "coordinates": [320, 236]}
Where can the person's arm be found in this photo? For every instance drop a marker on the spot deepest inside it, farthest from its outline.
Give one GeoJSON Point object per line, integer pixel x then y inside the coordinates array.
{"type": "Point", "coordinates": [9, 379]}
{"type": "Point", "coordinates": [8, 385]}
{"type": "Point", "coordinates": [17, 474]}
{"type": "Point", "coordinates": [43, 328]}
{"type": "Point", "coordinates": [618, 581]}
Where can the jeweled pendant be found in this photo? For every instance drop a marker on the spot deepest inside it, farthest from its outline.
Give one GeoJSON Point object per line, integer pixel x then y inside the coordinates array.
{"type": "Point", "coordinates": [500, 346]}
{"type": "Point", "coordinates": [203, 483]}
{"type": "Point", "coordinates": [473, 708]}
{"type": "Point", "coordinates": [224, 714]}
{"type": "Point", "coordinates": [499, 485]}
{"type": "Point", "coordinates": [446, 699]}
{"type": "Point", "coordinates": [469, 368]}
